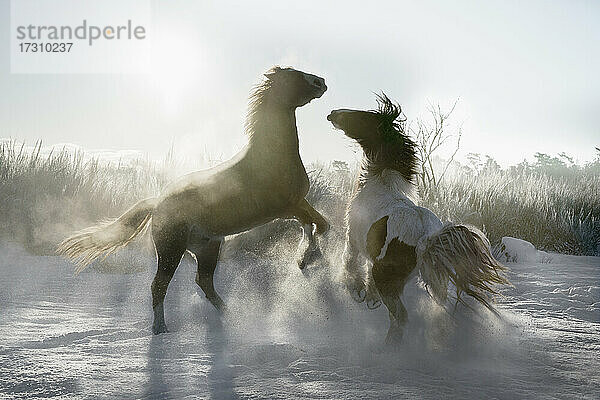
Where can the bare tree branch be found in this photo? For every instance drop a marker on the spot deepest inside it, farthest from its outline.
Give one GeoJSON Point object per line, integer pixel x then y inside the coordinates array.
{"type": "Point", "coordinates": [430, 137]}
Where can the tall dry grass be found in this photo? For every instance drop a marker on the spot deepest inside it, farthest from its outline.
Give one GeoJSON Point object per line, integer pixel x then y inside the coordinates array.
{"type": "Point", "coordinates": [43, 198]}
{"type": "Point", "coordinates": [554, 213]}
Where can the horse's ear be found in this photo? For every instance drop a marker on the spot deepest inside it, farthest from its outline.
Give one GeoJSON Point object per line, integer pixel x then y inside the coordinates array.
{"type": "Point", "coordinates": [270, 74]}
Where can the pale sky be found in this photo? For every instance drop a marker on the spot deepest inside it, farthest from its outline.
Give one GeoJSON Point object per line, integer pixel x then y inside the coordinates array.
{"type": "Point", "coordinates": [526, 74]}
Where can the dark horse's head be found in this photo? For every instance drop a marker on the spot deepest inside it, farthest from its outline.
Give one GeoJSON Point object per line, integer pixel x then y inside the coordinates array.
{"type": "Point", "coordinates": [294, 88]}
{"type": "Point", "coordinates": [381, 134]}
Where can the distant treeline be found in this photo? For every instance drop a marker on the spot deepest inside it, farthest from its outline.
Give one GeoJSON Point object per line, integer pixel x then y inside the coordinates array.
{"type": "Point", "coordinates": [557, 166]}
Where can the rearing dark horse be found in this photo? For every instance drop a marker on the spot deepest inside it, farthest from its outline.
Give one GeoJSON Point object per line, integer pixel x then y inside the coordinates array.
{"type": "Point", "coordinates": [265, 181]}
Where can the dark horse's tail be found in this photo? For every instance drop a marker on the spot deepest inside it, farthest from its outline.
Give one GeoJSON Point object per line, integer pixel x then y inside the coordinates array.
{"type": "Point", "coordinates": [460, 254]}
{"type": "Point", "coordinates": [100, 240]}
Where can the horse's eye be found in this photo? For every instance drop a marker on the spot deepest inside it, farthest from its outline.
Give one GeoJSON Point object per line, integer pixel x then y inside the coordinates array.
{"type": "Point", "coordinates": [317, 82]}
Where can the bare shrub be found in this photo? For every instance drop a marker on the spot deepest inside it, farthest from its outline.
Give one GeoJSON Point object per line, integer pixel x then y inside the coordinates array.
{"type": "Point", "coordinates": [430, 136]}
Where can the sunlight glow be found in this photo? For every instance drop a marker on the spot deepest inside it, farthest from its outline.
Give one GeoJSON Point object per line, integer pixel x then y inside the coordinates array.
{"type": "Point", "coordinates": [176, 67]}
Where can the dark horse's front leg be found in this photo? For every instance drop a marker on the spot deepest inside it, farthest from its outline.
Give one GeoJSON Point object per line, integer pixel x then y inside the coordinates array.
{"type": "Point", "coordinates": [312, 222]}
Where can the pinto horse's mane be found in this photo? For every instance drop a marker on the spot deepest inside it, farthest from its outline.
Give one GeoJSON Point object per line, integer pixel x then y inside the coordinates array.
{"type": "Point", "coordinates": [392, 149]}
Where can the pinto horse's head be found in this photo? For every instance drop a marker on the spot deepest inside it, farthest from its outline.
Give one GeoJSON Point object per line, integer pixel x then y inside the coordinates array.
{"type": "Point", "coordinates": [381, 134]}
{"type": "Point", "coordinates": [295, 88]}
{"type": "Point", "coordinates": [370, 127]}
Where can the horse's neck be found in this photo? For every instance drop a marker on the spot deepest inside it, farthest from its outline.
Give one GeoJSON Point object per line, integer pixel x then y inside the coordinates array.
{"type": "Point", "coordinates": [274, 136]}
{"type": "Point", "coordinates": [388, 180]}
{"type": "Point", "coordinates": [273, 156]}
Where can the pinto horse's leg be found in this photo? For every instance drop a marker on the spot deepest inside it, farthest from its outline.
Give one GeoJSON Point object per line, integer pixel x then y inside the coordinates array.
{"type": "Point", "coordinates": [170, 245]}
{"type": "Point", "coordinates": [390, 281]}
{"type": "Point", "coordinates": [312, 222]}
{"type": "Point", "coordinates": [354, 273]}
{"type": "Point", "coordinates": [206, 252]}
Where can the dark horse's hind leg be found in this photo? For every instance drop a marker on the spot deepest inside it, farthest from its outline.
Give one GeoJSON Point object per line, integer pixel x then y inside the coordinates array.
{"type": "Point", "coordinates": [170, 245]}
{"type": "Point", "coordinates": [206, 252]}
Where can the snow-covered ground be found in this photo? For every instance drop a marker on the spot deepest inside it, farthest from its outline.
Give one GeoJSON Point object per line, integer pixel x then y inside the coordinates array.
{"type": "Point", "coordinates": [290, 336]}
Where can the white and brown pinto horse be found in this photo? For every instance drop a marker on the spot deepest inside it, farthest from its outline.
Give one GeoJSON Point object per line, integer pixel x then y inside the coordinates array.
{"type": "Point", "coordinates": [396, 238]}
{"type": "Point", "coordinates": [265, 181]}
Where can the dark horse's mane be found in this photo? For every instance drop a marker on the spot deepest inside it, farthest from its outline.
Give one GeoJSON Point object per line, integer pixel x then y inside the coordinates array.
{"type": "Point", "coordinates": [256, 100]}
{"type": "Point", "coordinates": [392, 148]}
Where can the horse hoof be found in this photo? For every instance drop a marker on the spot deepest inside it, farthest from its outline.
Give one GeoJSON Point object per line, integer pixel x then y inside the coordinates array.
{"type": "Point", "coordinates": [218, 304]}
{"type": "Point", "coordinates": [301, 264]}
{"type": "Point", "coordinates": [358, 295]}
{"type": "Point", "coordinates": [309, 257]}
{"type": "Point", "coordinates": [373, 304]}
{"type": "Point", "coordinates": [157, 330]}
{"type": "Point", "coordinates": [222, 309]}
{"type": "Point", "coordinates": [307, 272]}
{"type": "Point", "coordinates": [393, 340]}
{"type": "Point", "coordinates": [323, 228]}
{"type": "Point", "coordinates": [394, 336]}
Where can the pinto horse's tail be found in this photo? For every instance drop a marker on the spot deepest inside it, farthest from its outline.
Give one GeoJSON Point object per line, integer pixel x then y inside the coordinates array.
{"type": "Point", "coordinates": [101, 240]}
{"type": "Point", "coordinates": [460, 254]}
